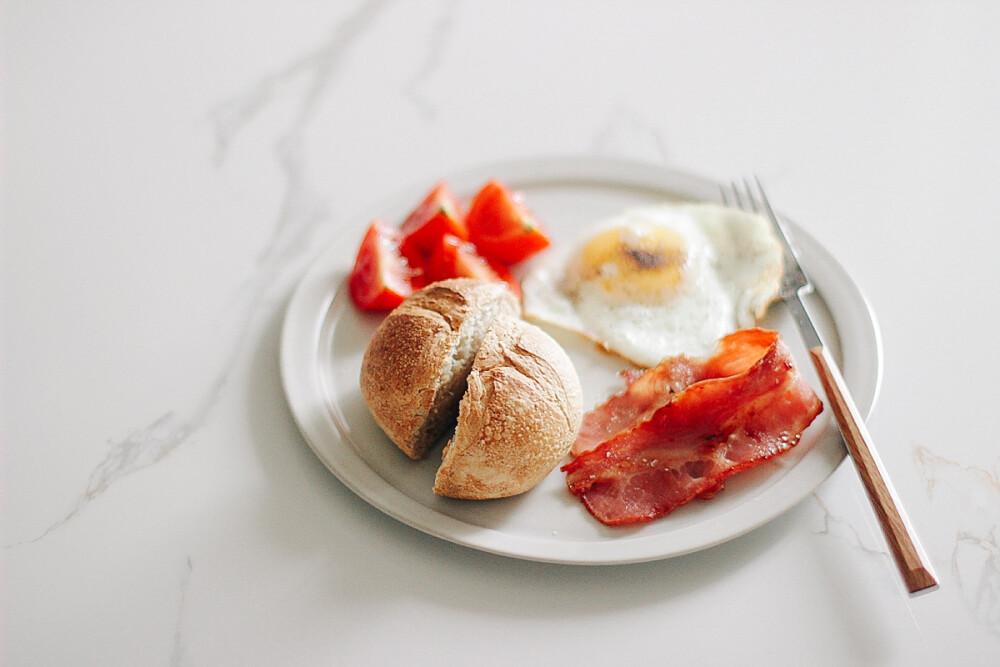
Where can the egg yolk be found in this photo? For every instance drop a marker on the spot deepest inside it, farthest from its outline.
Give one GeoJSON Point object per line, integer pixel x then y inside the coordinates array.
{"type": "Point", "coordinates": [644, 263]}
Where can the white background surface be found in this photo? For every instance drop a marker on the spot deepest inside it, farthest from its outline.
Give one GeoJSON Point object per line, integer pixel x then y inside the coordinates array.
{"type": "Point", "coordinates": [170, 169]}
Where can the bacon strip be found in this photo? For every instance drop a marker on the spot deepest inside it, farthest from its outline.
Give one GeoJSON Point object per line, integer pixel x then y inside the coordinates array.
{"type": "Point", "coordinates": [646, 392]}
{"type": "Point", "coordinates": [743, 406]}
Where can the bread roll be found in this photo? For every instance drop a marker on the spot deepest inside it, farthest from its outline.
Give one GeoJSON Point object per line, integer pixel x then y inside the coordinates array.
{"type": "Point", "coordinates": [415, 367]}
{"type": "Point", "coordinates": [518, 418]}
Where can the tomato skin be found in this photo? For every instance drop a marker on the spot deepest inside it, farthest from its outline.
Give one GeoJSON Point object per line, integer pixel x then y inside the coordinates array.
{"type": "Point", "coordinates": [381, 277]}
{"type": "Point", "coordinates": [455, 258]}
{"type": "Point", "coordinates": [438, 241]}
{"type": "Point", "coordinates": [438, 214]}
{"type": "Point", "coordinates": [502, 226]}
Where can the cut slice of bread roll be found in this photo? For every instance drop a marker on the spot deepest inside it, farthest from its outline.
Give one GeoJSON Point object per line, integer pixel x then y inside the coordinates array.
{"type": "Point", "coordinates": [518, 418]}
{"type": "Point", "coordinates": [415, 367]}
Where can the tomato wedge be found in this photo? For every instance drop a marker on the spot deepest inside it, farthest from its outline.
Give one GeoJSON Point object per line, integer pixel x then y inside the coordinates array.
{"type": "Point", "coordinates": [381, 277]}
{"type": "Point", "coordinates": [455, 258]}
{"type": "Point", "coordinates": [502, 226]}
{"type": "Point", "coordinates": [438, 214]}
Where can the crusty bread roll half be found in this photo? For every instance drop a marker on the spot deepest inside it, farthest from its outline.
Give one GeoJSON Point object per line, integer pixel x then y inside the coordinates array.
{"type": "Point", "coordinates": [518, 418]}
{"type": "Point", "coordinates": [415, 367]}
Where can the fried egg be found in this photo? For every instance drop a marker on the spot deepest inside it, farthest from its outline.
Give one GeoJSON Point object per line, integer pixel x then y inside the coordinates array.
{"type": "Point", "coordinates": [660, 280]}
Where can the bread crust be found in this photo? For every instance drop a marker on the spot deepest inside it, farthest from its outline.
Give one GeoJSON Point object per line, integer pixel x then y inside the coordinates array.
{"type": "Point", "coordinates": [518, 418]}
{"type": "Point", "coordinates": [408, 371]}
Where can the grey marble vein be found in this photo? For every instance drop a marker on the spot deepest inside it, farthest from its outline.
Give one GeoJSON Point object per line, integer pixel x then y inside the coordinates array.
{"type": "Point", "coordinates": [317, 66]}
{"type": "Point", "coordinates": [437, 39]}
{"type": "Point", "coordinates": [625, 133]}
{"type": "Point", "coordinates": [968, 500]}
{"type": "Point", "coordinates": [837, 527]}
{"type": "Point", "coordinates": [177, 652]}
{"type": "Point", "coordinates": [302, 209]}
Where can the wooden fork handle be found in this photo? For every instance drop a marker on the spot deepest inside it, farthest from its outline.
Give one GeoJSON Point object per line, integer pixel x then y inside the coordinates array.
{"type": "Point", "coordinates": [910, 560]}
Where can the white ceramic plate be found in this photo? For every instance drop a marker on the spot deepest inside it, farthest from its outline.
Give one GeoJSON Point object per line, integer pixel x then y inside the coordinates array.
{"type": "Point", "coordinates": [324, 339]}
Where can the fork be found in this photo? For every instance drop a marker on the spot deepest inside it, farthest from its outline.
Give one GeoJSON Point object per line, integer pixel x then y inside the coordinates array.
{"type": "Point", "coordinates": [909, 557]}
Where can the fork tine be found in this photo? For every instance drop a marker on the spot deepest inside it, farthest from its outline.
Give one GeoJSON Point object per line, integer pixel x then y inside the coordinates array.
{"type": "Point", "coordinates": [737, 199]}
{"type": "Point", "coordinates": [737, 195]}
{"type": "Point", "coordinates": [741, 197]}
{"type": "Point", "coordinates": [725, 195]}
{"type": "Point", "coordinates": [783, 232]}
{"type": "Point", "coordinates": [764, 199]}
{"type": "Point", "coordinates": [732, 196]}
{"type": "Point", "coordinates": [750, 195]}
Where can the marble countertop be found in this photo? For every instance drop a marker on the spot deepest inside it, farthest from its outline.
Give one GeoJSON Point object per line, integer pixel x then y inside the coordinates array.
{"type": "Point", "coordinates": [171, 169]}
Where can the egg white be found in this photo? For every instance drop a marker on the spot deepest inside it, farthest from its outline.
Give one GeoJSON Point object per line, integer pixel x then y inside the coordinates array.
{"type": "Point", "coordinates": [731, 273]}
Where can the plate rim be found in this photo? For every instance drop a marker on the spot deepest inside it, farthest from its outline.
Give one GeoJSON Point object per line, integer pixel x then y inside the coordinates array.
{"type": "Point", "coordinates": [313, 295]}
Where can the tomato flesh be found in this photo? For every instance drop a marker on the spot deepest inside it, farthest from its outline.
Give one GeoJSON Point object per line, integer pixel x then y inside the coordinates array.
{"type": "Point", "coordinates": [438, 214]}
{"type": "Point", "coordinates": [453, 257]}
{"type": "Point", "coordinates": [381, 277]}
{"type": "Point", "coordinates": [502, 226]}
{"type": "Point", "coordinates": [439, 241]}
